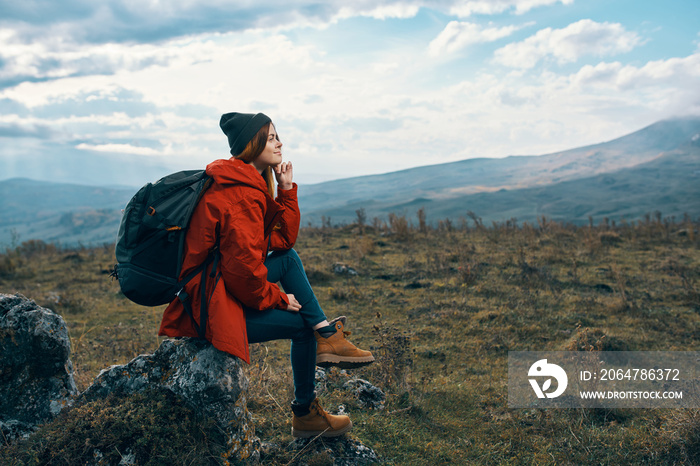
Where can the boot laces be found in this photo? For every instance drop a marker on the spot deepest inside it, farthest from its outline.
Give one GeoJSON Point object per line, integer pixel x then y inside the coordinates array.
{"type": "Point", "coordinates": [315, 406]}
{"type": "Point", "coordinates": [318, 410]}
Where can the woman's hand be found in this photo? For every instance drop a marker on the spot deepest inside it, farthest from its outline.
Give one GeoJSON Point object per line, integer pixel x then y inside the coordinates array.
{"type": "Point", "coordinates": [293, 305]}
{"type": "Point", "coordinates": [284, 175]}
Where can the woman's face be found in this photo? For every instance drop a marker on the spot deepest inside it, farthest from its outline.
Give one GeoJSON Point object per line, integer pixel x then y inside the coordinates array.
{"type": "Point", "coordinates": [272, 154]}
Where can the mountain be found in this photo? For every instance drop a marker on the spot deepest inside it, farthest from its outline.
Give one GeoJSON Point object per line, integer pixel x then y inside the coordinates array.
{"type": "Point", "coordinates": [482, 185]}
{"type": "Point", "coordinates": [69, 166]}
{"type": "Point", "coordinates": [61, 213]}
{"type": "Point", "coordinates": [654, 169]}
{"type": "Point", "coordinates": [669, 184]}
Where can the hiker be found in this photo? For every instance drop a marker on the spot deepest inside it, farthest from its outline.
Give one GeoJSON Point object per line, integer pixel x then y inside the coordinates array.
{"type": "Point", "coordinates": [255, 234]}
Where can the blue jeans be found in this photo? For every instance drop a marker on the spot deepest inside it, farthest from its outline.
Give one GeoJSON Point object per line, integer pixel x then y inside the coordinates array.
{"type": "Point", "coordinates": [275, 324]}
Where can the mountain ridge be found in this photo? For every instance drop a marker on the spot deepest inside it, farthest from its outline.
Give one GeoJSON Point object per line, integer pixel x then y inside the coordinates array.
{"type": "Point", "coordinates": [654, 168]}
{"type": "Point", "coordinates": [468, 176]}
{"type": "Point", "coordinates": [669, 184]}
{"type": "Point", "coordinates": [379, 194]}
{"type": "Point", "coordinates": [624, 138]}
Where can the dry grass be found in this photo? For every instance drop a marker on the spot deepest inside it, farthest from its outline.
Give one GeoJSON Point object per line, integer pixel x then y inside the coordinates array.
{"type": "Point", "coordinates": [441, 308]}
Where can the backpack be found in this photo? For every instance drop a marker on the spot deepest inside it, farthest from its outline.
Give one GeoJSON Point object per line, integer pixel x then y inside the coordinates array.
{"type": "Point", "coordinates": [151, 241]}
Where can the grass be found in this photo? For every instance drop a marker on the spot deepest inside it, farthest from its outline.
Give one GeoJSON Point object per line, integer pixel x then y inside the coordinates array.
{"type": "Point", "coordinates": [147, 429]}
{"type": "Point", "coordinates": [441, 308]}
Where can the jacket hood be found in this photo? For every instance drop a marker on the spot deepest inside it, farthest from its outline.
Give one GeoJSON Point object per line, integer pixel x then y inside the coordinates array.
{"type": "Point", "coordinates": [235, 171]}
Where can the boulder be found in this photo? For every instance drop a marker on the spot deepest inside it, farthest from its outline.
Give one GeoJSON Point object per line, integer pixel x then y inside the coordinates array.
{"type": "Point", "coordinates": [210, 381]}
{"type": "Point", "coordinates": [338, 451]}
{"type": "Point", "coordinates": [368, 396]}
{"type": "Point", "coordinates": [36, 373]}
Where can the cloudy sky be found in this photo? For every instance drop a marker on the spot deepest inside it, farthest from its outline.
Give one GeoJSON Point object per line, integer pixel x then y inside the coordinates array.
{"type": "Point", "coordinates": [354, 87]}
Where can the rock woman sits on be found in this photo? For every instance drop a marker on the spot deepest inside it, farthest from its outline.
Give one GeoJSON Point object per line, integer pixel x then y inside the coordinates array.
{"type": "Point", "coordinates": [255, 233]}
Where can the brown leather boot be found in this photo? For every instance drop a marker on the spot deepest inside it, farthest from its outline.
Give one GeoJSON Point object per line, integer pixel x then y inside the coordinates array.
{"type": "Point", "coordinates": [319, 422]}
{"type": "Point", "coordinates": [336, 350]}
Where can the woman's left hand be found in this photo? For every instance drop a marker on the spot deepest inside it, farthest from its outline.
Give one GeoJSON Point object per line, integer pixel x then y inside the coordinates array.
{"type": "Point", "coordinates": [284, 175]}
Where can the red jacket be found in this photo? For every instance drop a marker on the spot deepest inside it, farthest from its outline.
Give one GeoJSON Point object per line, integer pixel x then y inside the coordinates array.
{"type": "Point", "coordinates": [238, 207]}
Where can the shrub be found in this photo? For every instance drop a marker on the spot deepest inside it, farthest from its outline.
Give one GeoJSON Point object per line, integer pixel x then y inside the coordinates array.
{"type": "Point", "coordinates": [8, 265]}
{"type": "Point", "coordinates": [34, 247]}
{"type": "Point", "coordinates": [609, 238]}
{"type": "Point", "coordinates": [399, 226]}
{"type": "Point", "coordinates": [394, 355]}
{"type": "Point", "coordinates": [594, 339]}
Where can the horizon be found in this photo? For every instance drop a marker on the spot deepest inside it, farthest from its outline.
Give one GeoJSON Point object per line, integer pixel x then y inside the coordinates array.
{"type": "Point", "coordinates": [369, 89]}
{"type": "Point", "coordinates": [123, 186]}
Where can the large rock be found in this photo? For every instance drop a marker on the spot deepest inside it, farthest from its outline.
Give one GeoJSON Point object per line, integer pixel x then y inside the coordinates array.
{"type": "Point", "coordinates": [368, 396]}
{"type": "Point", "coordinates": [208, 380]}
{"type": "Point", "coordinates": [338, 451]}
{"type": "Point", "coordinates": [36, 373]}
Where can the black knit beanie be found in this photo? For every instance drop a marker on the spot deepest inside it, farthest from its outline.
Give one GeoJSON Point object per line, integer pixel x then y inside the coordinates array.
{"type": "Point", "coordinates": [240, 128]}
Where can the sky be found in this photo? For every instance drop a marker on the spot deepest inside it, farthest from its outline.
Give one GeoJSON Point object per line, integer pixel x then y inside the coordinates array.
{"type": "Point", "coordinates": [354, 88]}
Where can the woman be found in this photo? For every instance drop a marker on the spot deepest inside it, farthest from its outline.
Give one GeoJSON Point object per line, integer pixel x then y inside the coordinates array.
{"type": "Point", "coordinates": [239, 214]}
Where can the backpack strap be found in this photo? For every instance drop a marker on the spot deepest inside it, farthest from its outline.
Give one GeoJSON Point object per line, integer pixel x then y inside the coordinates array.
{"type": "Point", "coordinates": [204, 308]}
{"type": "Point", "coordinates": [184, 297]}
{"type": "Point", "coordinates": [203, 314]}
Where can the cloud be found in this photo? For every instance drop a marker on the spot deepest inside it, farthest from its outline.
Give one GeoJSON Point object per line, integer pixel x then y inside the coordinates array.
{"type": "Point", "coordinates": [670, 85]}
{"type": "Point", "coordinates": [51, 60]}
{"type": "Point", "coordinates": [584, 37]}
{"type": "Point", "coordinates": [371, 124]}
{"type": "Point", "coordinates": [313, 99]}
{"type": "Point", "coordinates": [43, 40]}
{"type": "Point", "coordinates": [105, 101]}
{"type": "Point", "coordinates": [401, 10]}
{"type": "Point", "coordinates": [131, 21]}
{"type": "Point", "coordinates": [677, 71]}
{"type": "Point", "coordinates": [492, 7]}
{"type": "Point", "coordinates": [458, 35]}
{"type": "Point", "coordinates": [12, 107]}
{"type": "Point", "coordinates": [178, 104]}
{"type": "Point", "coordinates": [138, 21]}
{"type": "Point", "coordinates": [121, 149]}
{"type": "Point", "coordinates": [342, 109]}
{"type": "Point", "coordinates": [14, 130]}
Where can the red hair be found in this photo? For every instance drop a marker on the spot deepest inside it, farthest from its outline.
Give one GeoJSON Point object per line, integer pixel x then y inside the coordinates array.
{"type": "Point", "coordinates": [253, 150]}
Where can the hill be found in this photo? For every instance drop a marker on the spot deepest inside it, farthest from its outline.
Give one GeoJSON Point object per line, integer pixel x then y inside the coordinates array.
{"type": "Point", "coordinates": [83, 167]}
{"type": "Point", "coordinates": [443, 188]}
{"type": "Point", "coordinates": [669, 184]}
{"type": "Point", "coordinates": [57, 212]}
{"type": "Point", "coordinates": [653, 169]}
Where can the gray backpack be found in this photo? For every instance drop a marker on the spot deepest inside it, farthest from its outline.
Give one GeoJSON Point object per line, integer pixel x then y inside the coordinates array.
{"type": "Point", "coordinates": [151, 241]}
